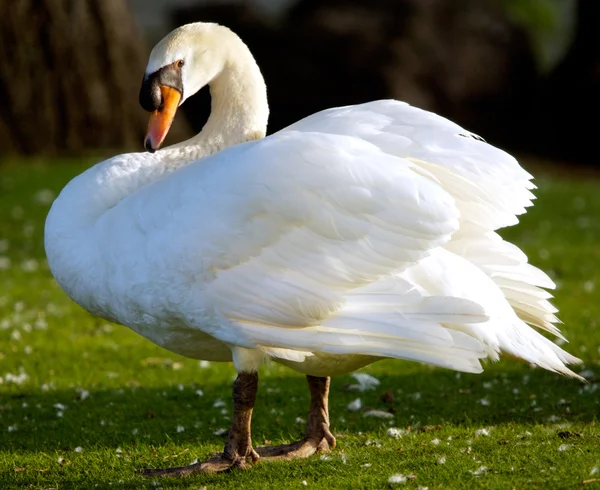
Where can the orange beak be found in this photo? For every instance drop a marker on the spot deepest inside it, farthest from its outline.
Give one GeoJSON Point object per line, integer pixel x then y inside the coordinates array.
{"type": "Point", "coordinates": [162, 118]}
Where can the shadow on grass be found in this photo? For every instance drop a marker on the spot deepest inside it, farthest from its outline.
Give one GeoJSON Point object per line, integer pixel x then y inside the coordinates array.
{"type": "Point", "coordinates": [62, 420]}
{"type": "Point", "coordinates": [126, 429]}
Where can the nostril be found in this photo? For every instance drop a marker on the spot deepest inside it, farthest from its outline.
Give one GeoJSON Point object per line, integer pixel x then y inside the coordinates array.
{"type": "Point", "coordinates": [148, 145]}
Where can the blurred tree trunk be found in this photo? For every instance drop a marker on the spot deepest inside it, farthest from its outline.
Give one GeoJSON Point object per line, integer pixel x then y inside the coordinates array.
{"type": "Point", "coordinates": [70, 76]}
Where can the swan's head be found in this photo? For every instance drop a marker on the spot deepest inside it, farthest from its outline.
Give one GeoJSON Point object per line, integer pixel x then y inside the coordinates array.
{"type": "Point", "coordinates": [183, 62]}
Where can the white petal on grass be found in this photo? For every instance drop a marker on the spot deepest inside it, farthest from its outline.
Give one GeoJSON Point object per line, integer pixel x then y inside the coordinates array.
{"type": "Point", "coordinates": [60, 406]}
{"type": "Point", "coordinates": [365, 465]}
{"type": "Point", "coordinates": [441, 460]}
{"type": "Point", "coordinates": [78, 449]}
{"type": "Point", "coordinates": [17, 379]}
{"type": "Point", "coordinates": [482, 432]}
{"type": "Point", "coordinates": [29, 265]}
{"type": "Point", "coordinates": [354, 406]}
{"type": "Point", "coordinates": [199, 392]}
{"type": "Point", "coordinates": [395, 432]}
{"type": "Point", "coordinates": [380, 414]}
{"type": "Point", "coordinates": [484, 402]}
{"type": "Point", "coordinates": [594, 471]}
{"type": "Point", "coordinates": [180, 428]}
{"type": "Point", "coordinates": [203, 364]}
{"type": "Point", "coordinates": [300, 420]}
{"type": "Point", "coordinates": [365, 382]}
{"type": "Point", "coordinates": [11, 428]}
{"type": "Point", "coordinates": [218, 403]}
{"type": "Point", "coordinates": [396, 479]}
{"type": "Point", "coordinates": [435, 441]}
{"type": "Point", "coordinates": [5, 263]}
{"type": "Point", "coordinates": [304, 483]}
{"type": "Point", "coordinates": [564, 447]}
{"type": "Point", "coordinates": [220, 432]}
{"type": "Point", "coordinates": [44, 197]}
{"type": "Point", "coordinates": [479, 471]}
{"type": "Point", "coordinates": [83, 393]}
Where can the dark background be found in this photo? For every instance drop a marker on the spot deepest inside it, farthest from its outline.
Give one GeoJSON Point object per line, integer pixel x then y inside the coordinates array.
{"type": "Point", "coordinates": [524, 74]}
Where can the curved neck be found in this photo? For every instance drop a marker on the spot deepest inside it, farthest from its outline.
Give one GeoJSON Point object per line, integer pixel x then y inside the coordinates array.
{"type": "Point", "coordinates": [239, 109]}
{"type": "Point", "coordinates": [239, 114]}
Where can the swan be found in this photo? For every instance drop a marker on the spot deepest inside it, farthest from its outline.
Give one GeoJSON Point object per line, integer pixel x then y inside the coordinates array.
{"type": "Point", "coordinates": [358, 233]}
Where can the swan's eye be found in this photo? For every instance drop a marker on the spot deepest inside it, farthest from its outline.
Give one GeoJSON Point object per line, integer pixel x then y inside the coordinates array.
{"type": "Point", "coordinates": [180, 63]}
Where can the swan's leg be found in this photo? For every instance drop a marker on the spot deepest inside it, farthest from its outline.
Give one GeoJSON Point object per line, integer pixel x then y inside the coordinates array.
{"type": "Point", "coordinates": [238, 452]}
{"type": "Point", "coordinates": [317, 436]}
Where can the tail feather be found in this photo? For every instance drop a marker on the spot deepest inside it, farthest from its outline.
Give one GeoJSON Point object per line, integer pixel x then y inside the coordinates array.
{"type": "Point", "coordinates": [413, 331]}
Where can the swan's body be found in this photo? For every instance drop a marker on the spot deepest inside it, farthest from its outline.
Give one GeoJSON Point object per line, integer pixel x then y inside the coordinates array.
{"type": "Point", "coordinates": [357, 233]}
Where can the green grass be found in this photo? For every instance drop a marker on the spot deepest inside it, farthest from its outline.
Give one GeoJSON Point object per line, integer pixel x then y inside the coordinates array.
{"type": "Point", "coordinates": [541, 430]}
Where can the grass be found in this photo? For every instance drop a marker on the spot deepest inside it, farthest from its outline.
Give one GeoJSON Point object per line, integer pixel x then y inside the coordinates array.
{"type": "Point", "coordinates": [84, 403]}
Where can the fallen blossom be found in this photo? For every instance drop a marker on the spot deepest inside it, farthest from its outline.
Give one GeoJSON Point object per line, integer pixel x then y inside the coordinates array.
{"type": "Point", "coordinates": [397, 478]}
{"type": "Point", "coordinates": [354, 406]}
{"type": "Point", "coordinates": [395, 432]}
{"type": "Point", "coordinates": [365, 382]}
{"type": "Point", "coordinates": [380, 414]}
{"type": "Point", "coordinates": [479, 471]}
{"type": "Point", "coordinates": [83, 394]}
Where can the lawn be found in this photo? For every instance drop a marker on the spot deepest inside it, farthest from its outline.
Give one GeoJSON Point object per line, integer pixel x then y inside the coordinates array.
{"type": "Point", "coordinates": [84, 403]}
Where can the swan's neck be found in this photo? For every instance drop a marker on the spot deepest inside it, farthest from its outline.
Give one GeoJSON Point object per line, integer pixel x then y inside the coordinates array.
{"type": "Point", "coordinates": [239, 114]}
{"type": "Point", "coordinates": [239, 109]}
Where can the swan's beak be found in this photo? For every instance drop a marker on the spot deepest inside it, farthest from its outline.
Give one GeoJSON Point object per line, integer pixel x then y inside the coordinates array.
{"type": "Point", "coordinates": [162, 118]}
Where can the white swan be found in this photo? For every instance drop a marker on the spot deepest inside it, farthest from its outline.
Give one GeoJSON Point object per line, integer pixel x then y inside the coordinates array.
{"type": "Point", "coordinates": [358, 233]}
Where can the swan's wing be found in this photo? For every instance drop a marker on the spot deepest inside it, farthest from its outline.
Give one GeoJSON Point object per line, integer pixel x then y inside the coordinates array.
{"type": "Point", "coordinates": [488, 185]}
{"type": "Point", "coordinates": [281, 242]}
